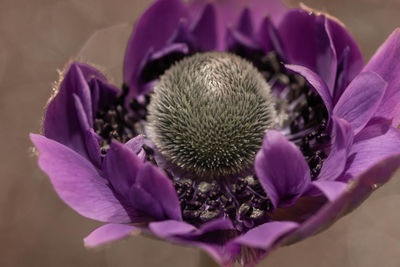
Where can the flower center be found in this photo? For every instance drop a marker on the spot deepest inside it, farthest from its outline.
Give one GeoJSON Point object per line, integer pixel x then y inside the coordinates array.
{"type": "Point", "coordinates": [209, 113]}
{"type": "Point", "coordinates": [115, 122]}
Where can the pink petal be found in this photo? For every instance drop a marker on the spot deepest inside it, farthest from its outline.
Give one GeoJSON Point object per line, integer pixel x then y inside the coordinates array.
{"type": "Point", "coordinates": [152, 31]}
{"type": "Point", "coordinates": [265, 235]}
{"type": "Point", "coordinates": [282, 170]}
{"type": "Point", "coordinates": [385, 62]}
{"type": "Point", "coordinates": [78, 182]}
{"type": "Point", "coordinates": [360, 100]}
{"type": "Point", "coordinates": [331, 189]}
{"type": "Point", "coordinates": [108, 233]}
{"type": "Point", "coordinates": [316, 82]}
{"type": "Point", "coordinates": [121, 166]}
{"type": "Point", "coordinates": [159, 186]}
{"type": "Point", "coordinates": [335, 164]}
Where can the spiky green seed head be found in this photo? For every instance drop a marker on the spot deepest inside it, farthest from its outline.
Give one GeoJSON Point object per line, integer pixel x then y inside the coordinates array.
{"type": "Point", "coordinates": [208, 114]}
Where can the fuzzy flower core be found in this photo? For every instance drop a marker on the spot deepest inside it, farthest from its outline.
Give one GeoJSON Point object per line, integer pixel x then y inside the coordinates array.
{"type": "Point", "coordinates": [209, 113]}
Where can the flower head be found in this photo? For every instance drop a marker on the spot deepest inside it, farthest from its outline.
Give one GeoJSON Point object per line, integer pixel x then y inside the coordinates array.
{"type": "Point", "coordinates": [234, 131]}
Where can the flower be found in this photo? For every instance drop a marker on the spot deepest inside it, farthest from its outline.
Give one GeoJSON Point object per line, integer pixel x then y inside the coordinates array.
{"type": "Point", "coordinates": [234, 132]}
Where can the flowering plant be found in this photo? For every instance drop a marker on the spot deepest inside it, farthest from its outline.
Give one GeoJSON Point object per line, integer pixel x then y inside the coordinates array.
{"type": "Point", "coordinates": [234, 131]}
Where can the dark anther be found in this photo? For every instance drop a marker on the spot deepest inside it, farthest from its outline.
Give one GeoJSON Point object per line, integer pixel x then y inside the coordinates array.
{"type": "Point", "coordinates": [147, 149]}
{"type": "Point", "coordinates": [139, 109]}
{"type": "Point", "coordinates": [257, 214]}
{"type": "Point", "coordinates": [244, 210]}
{"type": "Point", "coordinates": [272, 62]}
{"type": "Point", "coordinates": [208, 215]}
{"type": "Point", "coordinates": [230, 209]}
{"type": "Point", "coordinates": [210, 200]}
{"type": "Point", "coordinates": [204, 187]}
{"type": "Point", "coordinates": [190, 214]}
{"type": "Point", "coordinates": [245, 196]}
{"type": "Point", "coordinates": [315, 171]}
{"type": "Point", "coordinates": [315, 163]}
{"type": "Point", "coordinates": [213, 203]}
{"type": "Point", "coordinates": [121, 98]}
{"type": "Point", "coordinates": [193, 205]}
{"type": "Point", "coordinates": [323, 138]}
{"type": "Point", "coordinates": [154, 69]}
{"type": "Point", "coordinates": [104, 149]}
{"type": "Point", "coordinates": [214, 195]}
{"type": "Point", "coordinates": [294, 126]}
{"type": "Point", "coordinates": [149, 154]}
{"type": "Point", "coordinates": [239, 187]}
{"type": "Point", "coordinates": [283, 79]}
{"type": "Point", "coordinates": [225, 200]}
{"type": "Point", "coordinates": [259, 203]}
{"type": "Point", "coordinates": [189, 193]}
{"type": "Point", "coordinates": [116, 122]}
{"type": "Point", "coordinates": [187, 183]}
{"type": "Point", "coordinates": [182, 203]}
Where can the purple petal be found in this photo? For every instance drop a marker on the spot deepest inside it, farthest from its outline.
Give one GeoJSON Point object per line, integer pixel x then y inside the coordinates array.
{"type": "Point", "coordinates": [204, 29]}
{"type": "Point", "coordinates": [214, 225]}
{"type": "Point", "coordinates": [327, 59]}
{"type": "Point", "coordinates": [377, 126]}
{"type": "Point", "coordinates": [136, 144]}
{"type": "Point", "coordinates": [103, 94]}
{"type": "Point", "coordinates": [145, 203]}
{"type": "Point", "coordinates": [93, 147]}
{"type": "Point", "coordinates": [266, 235]}
{"type": "Point", "coordinates": [184, 233]}
{"type": "Point", "coordinates": [371, 145]}
{"type": "Point", "coordinates": [170, 228]}
{"type": "Point", "coordinates": [152, 31]}
{"type": "Point", "coordinates": [275, 9]}
{"type": "Point", "coordinates": [217, 224]}
{"type": "Point", "coordinates": [159, 186]}
{"type": "Point", "coordinates": [331, 189]}
{"type": "Point", "coordinates": [228, 13]}
{"type": "Point", "coordinates": [245, 25]}
{"type": "Point", "coordinates": [307, 43]}
{"type": "Point", "coordinates": [360, 100]}
{"type": "Point", "coordinates": [350, 60]}
{"type": "Point", "coordinates": [172, 48]}
{"type": "Point", "coordinates": [108, 233]}
{"type": "Point", "coordinates": [61, 122]}
{"type": "Point", "coordinates": [91, 140]}
{"type": "Point", "coordinates": [342, 140]}
{"type": "Point", "coordinates": [282, 170]}
{"type": "Point", "coordinates": [269, 39]}
{"type": "Point", "coordinates": [89, 72]}
{"type": "Point", "coordinates": [354, 195]}
{"type": "Point", "coordinates": [342, 79]}
{"type": "Point", "coordinates": [385, 62]}
{"type": "Point", "coordinates": [316, 82]}
{"type": "Point", "coordinates": [371, 179]}
{"type": "Point", "coordinates": [81, 114]}
{"type": "Point", "coordinates": [121, 166]}
{"type": "Point", "coordinates": [235, 37]}
{"type": "Point", "coordinates": [78, 183]}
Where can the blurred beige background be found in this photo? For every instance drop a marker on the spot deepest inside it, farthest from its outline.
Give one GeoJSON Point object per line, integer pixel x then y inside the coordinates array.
{"type": "Point", "coordinates": [37, 37]}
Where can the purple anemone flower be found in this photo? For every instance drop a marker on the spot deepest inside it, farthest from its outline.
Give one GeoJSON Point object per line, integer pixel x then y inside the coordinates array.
{"type": "Point", "coordinates": [241, 126]}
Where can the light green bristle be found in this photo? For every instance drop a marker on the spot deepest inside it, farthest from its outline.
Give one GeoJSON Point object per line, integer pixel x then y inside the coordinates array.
{"type": "Point", "coordinates": [209, 112]}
